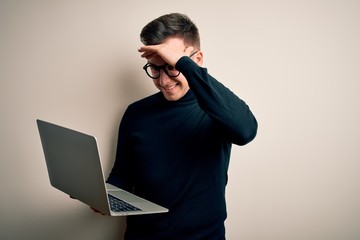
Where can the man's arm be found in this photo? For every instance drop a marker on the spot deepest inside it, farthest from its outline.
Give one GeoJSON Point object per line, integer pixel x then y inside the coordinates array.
{"type": "Point", "coordinates": [221, 104]}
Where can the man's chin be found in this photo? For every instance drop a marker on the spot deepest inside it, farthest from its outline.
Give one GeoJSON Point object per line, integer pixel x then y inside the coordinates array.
{"type": "Point", "coordinates": [171, 97]}
{"type": "Point", "coordinates": [174, 94]}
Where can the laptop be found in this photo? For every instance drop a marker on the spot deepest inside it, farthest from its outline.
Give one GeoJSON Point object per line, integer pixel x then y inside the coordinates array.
{"type": "Point", "coordinates": [74, 167]}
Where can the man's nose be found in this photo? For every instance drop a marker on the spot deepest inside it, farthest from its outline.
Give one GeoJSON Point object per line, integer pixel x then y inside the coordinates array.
{"type": "Point", "coordinates": [164, 78]}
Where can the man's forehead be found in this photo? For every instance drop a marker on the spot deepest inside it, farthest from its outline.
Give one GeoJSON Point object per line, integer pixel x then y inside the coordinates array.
{"type": "Point", "coordinates": [174, 39]}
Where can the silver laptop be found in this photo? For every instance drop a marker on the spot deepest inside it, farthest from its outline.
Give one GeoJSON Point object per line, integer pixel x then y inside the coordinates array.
{"type": "Point", "coordinates": [74, 167]}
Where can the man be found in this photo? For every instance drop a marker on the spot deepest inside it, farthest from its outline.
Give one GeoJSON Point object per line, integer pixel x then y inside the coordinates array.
{"type": "Point", "coordinates": [174, 146]}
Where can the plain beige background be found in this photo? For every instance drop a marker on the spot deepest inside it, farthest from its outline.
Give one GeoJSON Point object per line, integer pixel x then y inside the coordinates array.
{"type": "Point", "coordinates": [296, 63]}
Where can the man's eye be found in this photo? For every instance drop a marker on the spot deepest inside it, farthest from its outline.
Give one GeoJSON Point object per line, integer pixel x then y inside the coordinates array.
{"type": "Point", "coordinates": [154, 68]}
{"type": "Point", "coordinates": [170, 68]}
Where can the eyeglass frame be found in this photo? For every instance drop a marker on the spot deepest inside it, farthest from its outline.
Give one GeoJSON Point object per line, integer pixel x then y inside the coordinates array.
{"type": "Point", "coordinates": [163, 67]}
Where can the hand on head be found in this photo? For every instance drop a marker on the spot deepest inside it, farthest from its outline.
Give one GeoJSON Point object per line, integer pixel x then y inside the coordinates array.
{"type": "Point", "coordinates": [171, 50]}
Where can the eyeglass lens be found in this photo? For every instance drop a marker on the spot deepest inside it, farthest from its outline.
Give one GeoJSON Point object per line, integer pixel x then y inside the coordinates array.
{"type": "Point", "coordinates": [153, 71]}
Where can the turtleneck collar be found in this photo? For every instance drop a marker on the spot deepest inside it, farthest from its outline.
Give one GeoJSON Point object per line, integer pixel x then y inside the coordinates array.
{"type": "Point", "coordinates": [188, 97]}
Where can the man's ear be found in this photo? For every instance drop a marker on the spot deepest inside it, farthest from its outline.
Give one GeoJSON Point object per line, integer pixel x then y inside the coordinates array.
{"type": "Point", "coordinates": [199, 58]}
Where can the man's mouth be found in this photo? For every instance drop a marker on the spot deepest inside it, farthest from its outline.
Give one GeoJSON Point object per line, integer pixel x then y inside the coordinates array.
{"type": "Point", "coordinates": [169, 88]}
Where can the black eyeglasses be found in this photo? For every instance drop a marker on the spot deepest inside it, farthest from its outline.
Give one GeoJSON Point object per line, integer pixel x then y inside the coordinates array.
{"type": "Point", "coordinates": [153, 71]}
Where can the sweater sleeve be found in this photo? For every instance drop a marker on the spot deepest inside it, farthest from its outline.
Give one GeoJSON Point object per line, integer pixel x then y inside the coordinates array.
{"type": "Point", "coordinates": [233, 114]}
{"type": "Point", "coordinates": [120, 174]}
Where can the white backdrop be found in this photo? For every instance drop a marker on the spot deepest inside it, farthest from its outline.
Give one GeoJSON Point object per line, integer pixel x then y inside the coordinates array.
{"type": "Point", "coordinates": [296, 63]}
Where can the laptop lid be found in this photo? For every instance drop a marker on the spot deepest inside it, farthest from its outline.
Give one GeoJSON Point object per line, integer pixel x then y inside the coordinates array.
{"type": "Point", "coordinates": [73, 164]}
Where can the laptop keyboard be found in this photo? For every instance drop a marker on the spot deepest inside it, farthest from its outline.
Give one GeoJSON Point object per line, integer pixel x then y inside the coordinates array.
{"type": "Point", "coordinates": [117, 205]}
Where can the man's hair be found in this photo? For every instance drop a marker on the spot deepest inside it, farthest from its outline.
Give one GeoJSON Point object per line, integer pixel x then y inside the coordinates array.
{"type": "Point", "coordinates": [171, 25]}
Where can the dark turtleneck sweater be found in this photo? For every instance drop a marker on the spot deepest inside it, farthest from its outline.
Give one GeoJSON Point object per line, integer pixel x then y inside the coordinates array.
{"type": "Point", "coordinates": [176, 154]}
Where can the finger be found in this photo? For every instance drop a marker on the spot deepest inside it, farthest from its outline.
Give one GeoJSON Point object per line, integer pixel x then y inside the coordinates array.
{"type": "Point", "coordinates": [147, 48]}
{"type": "Point", "coordinates": [148, 55]}
{"type": "Point", "coordinates": [141, 49]}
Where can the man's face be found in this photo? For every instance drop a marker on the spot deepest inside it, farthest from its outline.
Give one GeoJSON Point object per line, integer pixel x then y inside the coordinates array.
{"type": "Point", "coordinates": [173, 88]}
